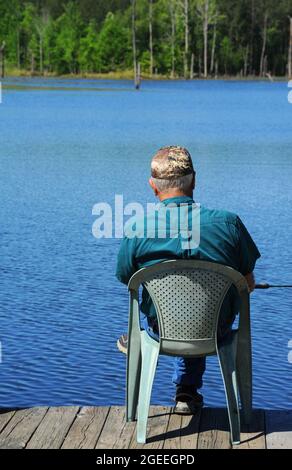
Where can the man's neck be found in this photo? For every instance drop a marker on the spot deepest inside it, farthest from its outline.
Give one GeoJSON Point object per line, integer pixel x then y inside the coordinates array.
{"type": "Point", "coordinates": [175, 193]}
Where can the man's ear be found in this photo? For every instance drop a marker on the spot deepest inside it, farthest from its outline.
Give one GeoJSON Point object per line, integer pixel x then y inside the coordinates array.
{"type": "Point", "coordinates": [152, 184]}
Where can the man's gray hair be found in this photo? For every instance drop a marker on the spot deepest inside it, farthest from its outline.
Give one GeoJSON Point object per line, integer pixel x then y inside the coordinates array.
{"type": "Point", "coordinates": [183, 183]}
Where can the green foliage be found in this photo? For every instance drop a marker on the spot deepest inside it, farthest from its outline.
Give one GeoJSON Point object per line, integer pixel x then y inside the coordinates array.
{"type": "Point", "coordinates": [226, 53]}
{"type": "Point", "coordinates": [89, 36]}
{"type": "Point", "coordinates": [67, 40]}
{"type": "Point", "coordinates": [113, 45]}
{"type": "Point", "coordinates": [89, 49]}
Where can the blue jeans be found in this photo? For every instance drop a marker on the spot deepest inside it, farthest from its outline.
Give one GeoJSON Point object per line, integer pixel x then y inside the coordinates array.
{"type": "Point", "coordinates": [187, 371]}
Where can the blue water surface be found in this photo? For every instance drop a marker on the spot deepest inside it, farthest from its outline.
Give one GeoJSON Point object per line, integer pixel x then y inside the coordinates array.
{"type": "Point", "coordinates": [68, 144]}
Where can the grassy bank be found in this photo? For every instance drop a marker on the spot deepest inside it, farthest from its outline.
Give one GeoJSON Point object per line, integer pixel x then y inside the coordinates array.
{"type": "Point", "coordinates": [117, 75]}
{"type": "Point", "coordinates": [13, 72]}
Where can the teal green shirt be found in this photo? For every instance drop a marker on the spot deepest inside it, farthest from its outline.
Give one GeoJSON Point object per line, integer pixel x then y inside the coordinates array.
{"type": "Point", "coordinates": [223, 239]}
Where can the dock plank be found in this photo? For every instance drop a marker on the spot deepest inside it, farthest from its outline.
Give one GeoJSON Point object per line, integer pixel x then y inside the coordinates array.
{"type": "Point", "coordinates": [53, 429]}
{"type": "Point", "coordinates": [173, 432]}
{"type": "Point", "coordinates": [157, 427]}
{"type": "Point", "coordinates": [182, 432]}
{"type": "Point", "coordinates": [214, 429]}
{"type": "Point", "coordinates": [253, 435]}
{"type": "Point", "coordinates": [5, 417]}
{"type": "Point", "coordinates": [86, 428]}
{"type": "Point", "coordinates": [279, 429]}
{"type": "Point", "coordinates": [20, 428]}
{"type": "Point", "coordinates": [127, 433]}
{"type": "Point", "coordinates": [190, 431]}
{"type": "Point", "coordinates": [112, 428]}
{"type": "Point", "coordinates": [106, 428]}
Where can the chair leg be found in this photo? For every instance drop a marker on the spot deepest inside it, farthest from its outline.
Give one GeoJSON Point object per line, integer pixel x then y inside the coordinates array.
{"type": "Point", "coordinates": [244, 360]}
{"type": "Point", "coordinates": [133, 378]}
{"type": "Point", "coordinates": [150, 352]}
{"type": "Point", "coordinates": [227, 355]}
{"type": "Point", "coordinates": [244, 376]}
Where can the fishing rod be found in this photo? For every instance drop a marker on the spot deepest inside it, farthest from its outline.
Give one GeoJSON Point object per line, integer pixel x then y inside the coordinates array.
{"type": "Point", "coordinates": [270, 286]}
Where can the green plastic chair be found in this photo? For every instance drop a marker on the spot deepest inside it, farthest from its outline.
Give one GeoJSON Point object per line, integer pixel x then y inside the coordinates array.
{"type": "Point", "coordinates": [188, 296]}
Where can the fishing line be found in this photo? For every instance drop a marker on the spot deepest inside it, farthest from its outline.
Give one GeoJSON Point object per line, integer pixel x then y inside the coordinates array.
{"type": "Point", "coordinates": [270, 286]}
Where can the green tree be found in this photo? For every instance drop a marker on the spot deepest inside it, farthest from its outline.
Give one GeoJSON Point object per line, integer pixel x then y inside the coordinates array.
{"type": "Point", "coordinates": [226, 54]}
{"type": "Point", "coordinates": [68, 31]}
{"type": "Point", "coordinates": [88, 54]}
{"type": "Point", "coordinates": [10, 25]}
{"type": "Point", "coordinates": [113, 45]}
{"type": "Point", "coordinates": [42, 24]}
{"type": "Point", "coordinates": [68, 36]}
{"type": "Point", "coordinates": [29, 36]}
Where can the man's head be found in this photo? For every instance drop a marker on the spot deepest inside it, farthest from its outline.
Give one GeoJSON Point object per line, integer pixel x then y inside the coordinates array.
{"type": "Point", "coordinates": [172, 173]}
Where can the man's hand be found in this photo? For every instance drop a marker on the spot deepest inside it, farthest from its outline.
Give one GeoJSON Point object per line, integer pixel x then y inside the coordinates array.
{"type": "Point", "coordinates": [250, 279]}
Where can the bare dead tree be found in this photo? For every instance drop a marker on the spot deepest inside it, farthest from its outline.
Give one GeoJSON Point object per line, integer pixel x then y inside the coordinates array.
{"type": "Point", "coordinates": [207, 11]}
{"type": "Point", "coordinates": [18, 47]}
{"type": "Point", "coordinates": [264, 35]}
{"type": "Point", "coordinates": [41, 25]}
{"type": "Point", "coordinates": [151, 36]}
{"type": "Point", "coordinates": [290, 50]}
{"type": "Point", "coordinates": [252, 34]}
{"type": "Point", "coordinates": [136, 72]}
{"type": "Point", "coordinates": [172, 5]}
{"type": "Point", "coordinates": [2, 58]}
{"type": "Point", "coordinates": [212, 65]}
{"type": "Point", "coordinates": [246, 55]}
{"type": "Point", "coordinates": [192, 66]}
{"type": "Point", "coordinates": [185, 8]}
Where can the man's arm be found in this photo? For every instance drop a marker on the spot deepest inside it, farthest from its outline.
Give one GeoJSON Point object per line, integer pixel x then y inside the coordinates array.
{"type": "Point", "coordinates": [250, 279]}
{"type": "Point", "coordinates": [126, 265]}
{"type": "Point", "coordinates": [247, 253]}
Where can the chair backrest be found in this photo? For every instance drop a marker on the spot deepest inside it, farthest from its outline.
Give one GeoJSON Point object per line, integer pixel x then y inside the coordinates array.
{"type": "Point", "coordinates": [188, 295]}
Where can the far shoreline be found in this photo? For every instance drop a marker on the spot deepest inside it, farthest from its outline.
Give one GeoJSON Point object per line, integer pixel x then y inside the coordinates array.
{"type": "Point", "coordinates": [128, 76]}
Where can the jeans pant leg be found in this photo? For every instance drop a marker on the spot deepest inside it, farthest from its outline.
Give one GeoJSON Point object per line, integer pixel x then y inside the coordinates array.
{"type": "Point", "coordinates": [189, 371]}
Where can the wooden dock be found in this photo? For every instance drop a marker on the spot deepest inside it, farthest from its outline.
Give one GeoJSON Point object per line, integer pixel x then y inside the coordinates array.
{"type": "Point", "coordinates": [76, 427]}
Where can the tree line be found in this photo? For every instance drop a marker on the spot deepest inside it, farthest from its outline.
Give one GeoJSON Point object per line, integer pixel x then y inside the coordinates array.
{"type": "Point", "coordinates": [174, 38]}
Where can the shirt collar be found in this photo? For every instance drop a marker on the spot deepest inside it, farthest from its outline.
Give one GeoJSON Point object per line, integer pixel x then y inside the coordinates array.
{"type": "Point", "coordinates": [178, 200]}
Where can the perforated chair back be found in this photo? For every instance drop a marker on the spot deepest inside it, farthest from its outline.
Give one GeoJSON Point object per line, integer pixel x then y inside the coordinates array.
{"type": "Point", "coordinates": [188, 296]}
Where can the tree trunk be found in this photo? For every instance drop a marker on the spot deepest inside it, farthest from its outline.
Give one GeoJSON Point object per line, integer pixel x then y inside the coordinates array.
{"type": "Point", "coordinates": [18, 49]}
{"type": "Point", "coordinates": [216, 69]}
{"type": "Point", "coordinates": [173, 35]}
{"type": "Point", "coordinates": [41, 56]}
{"type": "Point", "coordinates": [205, 29]}
{"type": "Point", "coordinates": [213, 47]}
{"type": "Point", "coordinates": [266, 73]}
{"type": "Point", "coordinates": [151, 36]}
{"type": "Point", "coordinates": [252, 36]}
{"type": "Point", "coordinates": [192, 67]}
{"type": "Point", "coordinates": [138, 75]}
{"type": "Point", "coordinates": [186, 54]}
{"type": "Point", "coordinates": [200, 66]}
{"type": "Point", "coordinates": [2, 58]}
{"type": "Point", "coordinates": [136, 78]}
{"type": "Point", "coordinates": [32, 61]}
{"type": "Point", "coordinates": [246, 61]}
{"type": "Point", "coordinates": [264, 44]}
{"type": "Point", "coordinates": [290, 51]}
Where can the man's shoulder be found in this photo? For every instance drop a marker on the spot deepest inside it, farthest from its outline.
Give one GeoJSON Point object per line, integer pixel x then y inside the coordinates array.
{"type": "Point", "coordinates": [211, 216]}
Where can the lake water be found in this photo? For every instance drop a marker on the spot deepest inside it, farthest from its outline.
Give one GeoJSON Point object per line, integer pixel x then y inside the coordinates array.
{"type": "Point", "coordinates": [66, 145]}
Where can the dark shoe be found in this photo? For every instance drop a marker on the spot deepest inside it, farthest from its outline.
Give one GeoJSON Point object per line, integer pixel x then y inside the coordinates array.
{"type": "Point", "coordinates": [122, 344]}
{"type": "Point", "coordinates": [188, 401]}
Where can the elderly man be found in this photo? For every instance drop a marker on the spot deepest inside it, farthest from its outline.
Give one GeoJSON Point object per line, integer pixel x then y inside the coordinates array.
{"type": "Point", "coordinates": [223, 239]}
